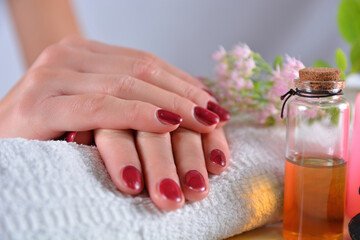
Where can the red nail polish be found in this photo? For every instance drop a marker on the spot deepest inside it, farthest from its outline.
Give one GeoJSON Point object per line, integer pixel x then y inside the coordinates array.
{"type": "Point", "coordinates": [70, 136]}
{"type": "Point", "coordinates": [205, 116]}
{"type": "Point", "coordinates": [132, 177]}
{"type": "Point", "coordinates": [218, 157]}
{"type": "Point", "coordinates": [223, 114]}
{"type": "Point", "coordinates": [209, 92]}
{"type": "Point", "coordinates": [170, 190]}
{"type": "Point", "coordinates": [168, 117]}
{"type": "Point", "coordinates": [195, 181]}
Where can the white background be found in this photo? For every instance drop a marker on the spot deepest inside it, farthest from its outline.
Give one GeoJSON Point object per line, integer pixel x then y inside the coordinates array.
{"type": "Point", "coordinates": [185, 32]}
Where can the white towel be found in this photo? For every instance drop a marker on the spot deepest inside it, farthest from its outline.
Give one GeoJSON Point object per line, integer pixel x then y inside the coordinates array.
{"type": "Point", "coordinates": [59, 190]}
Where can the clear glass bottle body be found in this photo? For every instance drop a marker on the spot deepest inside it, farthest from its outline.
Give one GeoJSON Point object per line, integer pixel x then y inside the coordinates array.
{"type": "Point", "coordinates": [316, 156]}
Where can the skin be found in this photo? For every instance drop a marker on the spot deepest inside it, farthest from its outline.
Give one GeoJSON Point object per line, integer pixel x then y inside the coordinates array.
{"type": "Point", "coordinates": [55, 96]}
{"type": "Point", "coordinates": [102, 92]}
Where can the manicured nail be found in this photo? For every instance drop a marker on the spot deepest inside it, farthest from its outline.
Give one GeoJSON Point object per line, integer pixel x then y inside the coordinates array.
{"type": "Point", "coordinates": [70, 136]}
{"type": "Point", "coordinates": [218, 157]}
{"type": "Point", "coordinates": [195, 181]}
{"type": "Point", "coordinates": [209, 92]}
{"type": "Point", "coordinates": [170, 190]}
{"type": "Point", "coordinates": [132, 177]}
{"type": "Point", "coordinates": [223, 114]}
{"type": "Point", "coordinates": [168, 117]}
{"type": "Point", "coordinates": [205, 116]}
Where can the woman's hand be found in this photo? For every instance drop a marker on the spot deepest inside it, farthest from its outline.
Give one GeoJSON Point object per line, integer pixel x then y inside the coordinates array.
{"type": "Point", "coordinates": [80, 85]}
{"type": "Point", "coordinates": [174, 167]}
{"type": "Point", "coordinates": [76, 89]}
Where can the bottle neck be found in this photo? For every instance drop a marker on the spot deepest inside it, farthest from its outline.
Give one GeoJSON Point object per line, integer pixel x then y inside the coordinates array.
{"type": "Point", "coordinates": [324, 88]}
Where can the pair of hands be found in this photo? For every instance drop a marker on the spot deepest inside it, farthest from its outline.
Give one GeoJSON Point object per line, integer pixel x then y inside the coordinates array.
{"type": "Point", "coordinates": [103, 92]}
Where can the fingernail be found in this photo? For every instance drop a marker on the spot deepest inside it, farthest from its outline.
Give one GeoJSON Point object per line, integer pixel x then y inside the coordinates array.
{"type": "Point", "coordinates": [132, 177]}
{"type": "Point", "coordinates": [205, 116]}
{"type": "Point", "coordinates": [223, 114]}
{"type": "Point", "coordinates": [218, 157]}
{"type": "Point", "coordinates": [170, 190]}
{"type": "Point", "coordinates": [168, 117]}
{"type": "Point", "coordinates": [70, 136]}
{"type": "Point", "coordinates": [209, 92]}
{"type": "Point", "coordinates": [195, 181]}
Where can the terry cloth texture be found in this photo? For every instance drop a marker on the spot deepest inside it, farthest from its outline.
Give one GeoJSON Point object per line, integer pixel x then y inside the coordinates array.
{"type": "Point", "coordinates": [60, 190]}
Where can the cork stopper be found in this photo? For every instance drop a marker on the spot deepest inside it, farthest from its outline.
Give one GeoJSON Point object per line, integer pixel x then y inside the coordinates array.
{"type": "Point", "coordinates": [319, 79]}
{"type": "Point", "coordinates": [319, 74]}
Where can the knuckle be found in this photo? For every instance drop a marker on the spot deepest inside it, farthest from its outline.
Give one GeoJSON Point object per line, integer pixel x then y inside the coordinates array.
{"type": "Point", "coordinates": [176, 103]}
{"type": "Point", "coordinates": [183, 134]}
{"type": "Point", "coordinates": [137, 109]}
{"type": "Point", "coordinates": [22, 108]}
{"type": "Point", "coordinates": [94, 105]}
{"type": "Point", "coordinates": [163, 137]}
{"type": "Point", "coordinates": [145, 68]}
{"type": "Point", "coordinates": [120, 85]}
{"type": "Point", "coordinates": [53, 54]}
{"type": "Point", "coordinates": [146, 56]}
{"type": "Point", "coordinates": [91, 106]}
{"type": "Point", "coordinates": [39, 75]}
{"type": "Point", "coordinates": [26, 108]}
{"type": "Point", "coordinates": [189, 92]}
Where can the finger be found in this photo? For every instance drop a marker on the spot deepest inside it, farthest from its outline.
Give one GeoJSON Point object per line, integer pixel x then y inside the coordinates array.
{"type": "Point", "coordinates": [190, 163]}
{"type": "Point", "coordinates": [159, 169]}
{"type": "Point", "coordinates": [151, 73]}
{"type": "Point", "coordinates": [118, 151]}
{"type": "Point", "coordinates": [87, 112]}
{"type": "Point", "coordinates": [145, 70]}
{"type": "Point", "coordinates": [125, 87]}
{"type": "Point", "coordinates": [216, 151]}
{"type": "Point", "coordinates": [98, 47]}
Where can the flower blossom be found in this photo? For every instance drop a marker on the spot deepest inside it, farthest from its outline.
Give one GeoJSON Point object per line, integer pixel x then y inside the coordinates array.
{"type": "Point", "coordinates": [245, 85]}
{"type": "Point", "coordinates": [241, 51]}
{"type": "Point", "coordinates": [219, 54]}
{"type": "Point", "coordinates": [283, 78]}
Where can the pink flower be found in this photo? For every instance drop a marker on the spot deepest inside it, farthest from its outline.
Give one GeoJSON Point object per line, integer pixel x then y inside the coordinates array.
{"type": "Point", "coordinates": [249, 84]}
{"type": "Point", "coordinates": [245, 66]}
{"type": "Point", "coordinates": [271, 109]}
{"type": "Point", "coordinates": [293, 63]}
{"type": "Point", "coordinates": [291, 68]}
{"type": "Point", "coordinates": [249, 64]}
{"type": "Point", "coordinates": [241, 50]}
{"type": "Point", "coordinates": [281, 85]}
{"type": "Point", "coordinates": [234, 75]}
{"type": "Point", "coordinates": [238, 99]}
{"type": "Point", "coordinates": [239, 64]}
{"type": "Point", "coordinates": [284, 78]}
{"type": "Point", "coordinates": [219, 54]}
{"type": "Point", "coordinates": [261, 116]}
{"type": "Point", "coordinates": [240, 83]}
{"type": "Point", "coordinates": [221, 69]}
{"type": "Point", "coordinates": [249, 101]}
{"type": "Point", "coordinates": [235, 81]}
{"type": "Point", "coordinates": [311, 113]}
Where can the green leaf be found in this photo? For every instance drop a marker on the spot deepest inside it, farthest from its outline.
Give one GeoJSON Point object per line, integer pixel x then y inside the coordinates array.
{"type": "Point", "coordinates": [341, 61]}
{"type": "Point", "coordinates": [349, 19]}
{"type": "Point", "coordinates": [270, 121]}
{"type": "Point", "coordinates": [355, 57]}
{"type": "Point", "coordinates": [321, 63]}
{"type": "Point", "coordinates": [334, 115]}
{"type": "Point", "coordinates": [278, 62]}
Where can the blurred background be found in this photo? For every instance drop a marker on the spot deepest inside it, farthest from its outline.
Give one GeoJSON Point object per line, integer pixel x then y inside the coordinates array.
{"type": "Point", "coordinates": [186, 33]}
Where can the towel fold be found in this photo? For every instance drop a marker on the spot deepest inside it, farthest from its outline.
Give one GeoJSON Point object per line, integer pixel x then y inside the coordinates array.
{"type": "Point", "coordinates": [59, 190]}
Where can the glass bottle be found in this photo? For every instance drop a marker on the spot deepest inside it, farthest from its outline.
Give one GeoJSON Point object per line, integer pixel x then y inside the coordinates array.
{"type": "Point", "coordinates": [316, 155]}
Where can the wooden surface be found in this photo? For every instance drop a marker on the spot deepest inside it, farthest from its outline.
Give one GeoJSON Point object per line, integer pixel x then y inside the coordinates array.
{"type": "Point", "coordinates": [268, 232]}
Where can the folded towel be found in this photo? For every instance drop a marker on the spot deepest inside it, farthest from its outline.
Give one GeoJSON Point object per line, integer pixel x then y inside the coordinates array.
{"type": "Point", "coordinates": [59, 190]}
